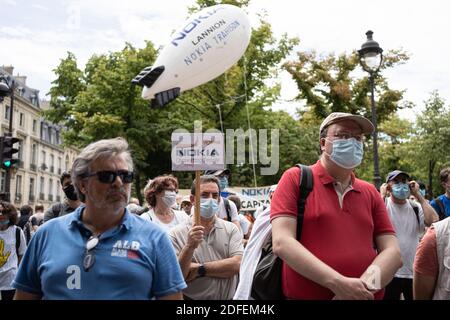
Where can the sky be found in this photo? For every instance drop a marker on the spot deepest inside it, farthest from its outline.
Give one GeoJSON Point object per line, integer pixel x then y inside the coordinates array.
{"type": "Point", "coordinates": [36, 34]}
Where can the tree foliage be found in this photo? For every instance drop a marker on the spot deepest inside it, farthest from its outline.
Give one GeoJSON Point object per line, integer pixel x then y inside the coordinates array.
{"type": "Point", "coordinates": [327, 84]}
{"type": "Point", "coordinates": [100, 102]}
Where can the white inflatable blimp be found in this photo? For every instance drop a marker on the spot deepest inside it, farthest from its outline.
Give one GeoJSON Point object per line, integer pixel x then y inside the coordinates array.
{"type": "Point", "coordinates": [203, 48]}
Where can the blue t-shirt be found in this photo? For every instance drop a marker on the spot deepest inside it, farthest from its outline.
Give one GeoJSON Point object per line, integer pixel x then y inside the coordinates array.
{"type": "Point", "coordinates": [134, 260]}
{"type": "Point", "coordinates": [445, 201]}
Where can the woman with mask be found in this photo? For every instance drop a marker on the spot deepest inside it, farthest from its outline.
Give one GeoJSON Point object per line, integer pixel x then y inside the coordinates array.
{"type": "Point", "coordinates": [12, 248]}
{"type": "Point", "coordinates": [161, 196]}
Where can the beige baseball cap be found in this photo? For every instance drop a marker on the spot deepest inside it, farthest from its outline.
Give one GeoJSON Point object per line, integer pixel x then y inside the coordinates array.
{"type": "Point", "coordinates": [365, 124]}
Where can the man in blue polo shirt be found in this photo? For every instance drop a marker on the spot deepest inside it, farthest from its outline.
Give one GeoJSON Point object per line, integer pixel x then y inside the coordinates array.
{"type": "Point", "coordinates": [100, 251]}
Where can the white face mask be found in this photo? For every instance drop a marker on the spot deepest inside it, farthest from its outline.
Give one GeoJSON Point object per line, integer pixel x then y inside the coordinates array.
{"type": "Point", "coordinates": [169, 198]}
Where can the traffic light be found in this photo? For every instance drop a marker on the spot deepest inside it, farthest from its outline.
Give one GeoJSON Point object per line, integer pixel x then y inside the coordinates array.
{"type": "Point", "coordinates": [7, 151]}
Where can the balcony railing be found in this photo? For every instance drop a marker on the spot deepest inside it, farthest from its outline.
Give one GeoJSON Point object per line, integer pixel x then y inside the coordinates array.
{"type": "Point", "coordinates": [33, 167]}
{"type": "Point", "coordinates": [44, 166]}
{"type": "Point", "coordinates": [50, 197]}
{"type": "Point", "coordinates": [41, 196]}
{"type": "Point", "coordinates": [31, 197]}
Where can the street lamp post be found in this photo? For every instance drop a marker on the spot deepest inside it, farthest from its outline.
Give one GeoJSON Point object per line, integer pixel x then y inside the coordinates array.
{"type": "Point", "coordinates": [371, 58]}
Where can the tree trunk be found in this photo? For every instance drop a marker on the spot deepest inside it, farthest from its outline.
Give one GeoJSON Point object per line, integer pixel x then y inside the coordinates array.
{"type": "Point", "coordinates": [431, 165]}
{"type": "Point", "coordinates": [138, 186]}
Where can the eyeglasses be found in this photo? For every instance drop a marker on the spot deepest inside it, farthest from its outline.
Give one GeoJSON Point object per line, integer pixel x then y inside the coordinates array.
{"type": "Point", "coordinates": [89, 257]}
{"type": "Point", "coordinates": [348, 135]}
{"type": "Point", "coordinates": [110, 176]}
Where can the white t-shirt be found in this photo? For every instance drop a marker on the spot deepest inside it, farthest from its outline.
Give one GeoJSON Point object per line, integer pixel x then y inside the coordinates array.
{"type": "Point", "coordinates": [223, 210]}
{"type": "Point", "coordinates": [8, 256]}
{"type": "Point", "coordinates": [408, 233]}
{"type": "Point", "coordinates": [180, 217]}
{"type": "Point", "coordinates": [252, 253]}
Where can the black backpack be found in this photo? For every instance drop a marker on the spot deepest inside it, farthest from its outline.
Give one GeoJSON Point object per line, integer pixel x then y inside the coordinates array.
{"type": "Point", "coordinates": [17, 241]}
{"type": "Point", "coordinates": [226, 202]}
{"type": "Point", "coordinates": [441, 212]}
{"type": "Point", "coordinates": [413, 205]}
{"type": "Point", "coordinates": [416, 210]}
{"type": "Point", "coordinates": [267, 283]}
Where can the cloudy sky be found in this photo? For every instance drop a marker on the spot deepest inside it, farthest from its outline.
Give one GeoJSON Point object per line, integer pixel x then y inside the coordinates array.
{"type": "Point", "coordinates": [36, 34]}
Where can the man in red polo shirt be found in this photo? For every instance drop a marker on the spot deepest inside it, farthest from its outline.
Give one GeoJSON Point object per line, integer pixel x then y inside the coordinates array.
{"type": "Point", "coordinates": [348, 248]}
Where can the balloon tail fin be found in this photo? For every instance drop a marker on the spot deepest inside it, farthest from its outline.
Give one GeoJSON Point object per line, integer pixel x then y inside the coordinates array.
{"type": "Point", "coordinates": [164, 97]}
{"type": "Point", "coordinates": [148, 76]}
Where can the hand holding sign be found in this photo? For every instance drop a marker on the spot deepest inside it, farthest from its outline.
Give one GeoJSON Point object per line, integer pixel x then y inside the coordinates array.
{"type": "Point", "coordinates": [203, 48]}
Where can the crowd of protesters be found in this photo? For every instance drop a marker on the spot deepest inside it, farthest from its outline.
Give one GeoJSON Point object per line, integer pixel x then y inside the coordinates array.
{"type": "Point", "coordinates": [99, 243]}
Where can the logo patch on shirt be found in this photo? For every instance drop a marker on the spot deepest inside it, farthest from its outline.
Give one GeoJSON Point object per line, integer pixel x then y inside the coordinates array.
{"type": "Point", "coordinates": [126, 249]}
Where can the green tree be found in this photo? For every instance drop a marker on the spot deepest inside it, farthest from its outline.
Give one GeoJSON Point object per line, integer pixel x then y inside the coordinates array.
{"type": "Point", "coordinates": [100, 101]}
{"type": "Point", "coordinates": [326, 84]}
{"type": "Point", "coordinates": [432, 140]}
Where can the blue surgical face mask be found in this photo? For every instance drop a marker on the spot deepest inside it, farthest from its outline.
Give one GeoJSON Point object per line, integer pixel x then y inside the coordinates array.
{"type": "Point", "coordinates": [401, 191]}
{"type": "Point", "coordinates": [208, 207]}
{"type": "Point", "coordinates": [422, 192]}
{"type": "Point", "coordinates": [223, 183]}
{"type": "Point", "coordinates": [347, 153]}
{"type": "Point", "coordinates": [4, 222]}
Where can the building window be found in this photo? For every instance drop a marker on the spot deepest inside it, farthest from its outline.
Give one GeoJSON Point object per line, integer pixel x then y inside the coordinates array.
{"type": "Point", "coordinates": [2, 181]}
{"type": "Point", "coordinates": [18, 187]}
{"type": "Point", "coordinates": [59, 165]}
{"type": "Point", "coordinates": [67, 164]}
{"type": "Point", "coordinates": [50, 135]}
{"type": "Point", "coordinates": [21, 119]}
{"type": "Point", "coordinates": [34, 125]}
{"type": "Point", "coordinates": [20, 152]}
{"type": "Point", "coordinates": [31, 196]}
{"type": "Point", "coordinates": [43, 160]}
{"type": "Point", "coordinates": [42, 130]}
{"type": "Point", "coordinates": [34, 154]}
{"type": "Point", "coordinates": [7, 111]}
{"type": "Point", "coordinates": [42, 189]}
{"type": "Point", "coordinates": [52, 163]}
{"type": "Point", "coordinates": [50, 189]}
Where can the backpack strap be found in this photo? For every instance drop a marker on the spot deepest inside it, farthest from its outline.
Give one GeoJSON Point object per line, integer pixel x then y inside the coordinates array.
{"type": "Point", "coordinates": [17, 241]}
{"type": "Point", "coordinates": [441, 212]}
{"type": "Point", "coordinates": [306, 186]}
{"type": "Point", "coordinates": [416, 210]}
{"type": "Point", "coordinates": [226, 202]}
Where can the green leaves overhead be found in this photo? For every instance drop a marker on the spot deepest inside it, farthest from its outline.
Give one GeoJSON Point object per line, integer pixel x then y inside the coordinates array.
{"type": "Point", "coordinates": [328, 84]}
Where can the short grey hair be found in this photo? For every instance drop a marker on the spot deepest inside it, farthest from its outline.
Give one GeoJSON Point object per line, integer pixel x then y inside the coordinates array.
{"type": "Point", "coordinates": [100, 149]}
{"type": "Point", "coordinates": [205, 179]}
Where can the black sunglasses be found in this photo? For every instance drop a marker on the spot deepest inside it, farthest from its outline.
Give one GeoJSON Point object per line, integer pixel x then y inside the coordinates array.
{"type": "Point", "coordinates": [89, 257]}
{"type": "Point", "coordinates": [110, 176]}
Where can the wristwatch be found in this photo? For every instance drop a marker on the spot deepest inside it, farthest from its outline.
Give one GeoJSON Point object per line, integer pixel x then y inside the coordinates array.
{"type": "Point", "coordinates": [201, 271]}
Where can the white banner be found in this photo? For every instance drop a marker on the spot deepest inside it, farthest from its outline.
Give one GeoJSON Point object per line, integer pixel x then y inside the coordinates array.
{"type": "Point", "coordinates": [251, 198]}
{"type": "Point", "coordinates": [197, 151]}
